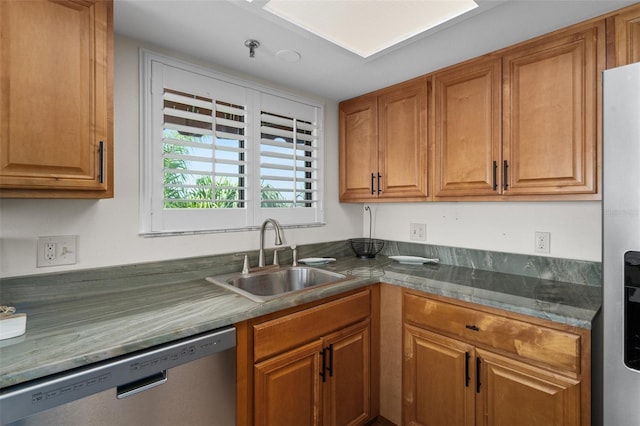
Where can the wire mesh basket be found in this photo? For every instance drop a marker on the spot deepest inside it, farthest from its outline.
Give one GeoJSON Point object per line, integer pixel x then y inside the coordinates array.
{"type": "Point", "coordinates": [366, 247]}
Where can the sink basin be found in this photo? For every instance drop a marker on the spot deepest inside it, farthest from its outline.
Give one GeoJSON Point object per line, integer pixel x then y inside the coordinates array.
{"type": "Point", "coordinates": [269, 284]}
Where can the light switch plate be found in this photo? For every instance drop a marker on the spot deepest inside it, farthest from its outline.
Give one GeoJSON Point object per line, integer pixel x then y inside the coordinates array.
{"type": "Point", "coordinates": [418, 232]}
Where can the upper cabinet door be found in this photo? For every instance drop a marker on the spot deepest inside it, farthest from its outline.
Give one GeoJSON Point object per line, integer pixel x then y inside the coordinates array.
{"type": "Point", "coordinates": [358, 148]}
{"type": "Point", "coordinates": [56, 99]}
{"type": "Point", "coordinates": [551, 113]}
{"type": "Point", "coordinates": [383, 144]}
{"type": "Point", "coordinates": [402, 120]}
{"type": "Point", "coordinates": [468, 132]}
{"type": "Point", "coordinates": [627, 36]}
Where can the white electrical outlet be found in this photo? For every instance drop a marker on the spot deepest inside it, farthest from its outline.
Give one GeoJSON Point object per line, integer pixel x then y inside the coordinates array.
{"type": "Point", "coordinates": [418, 231]}
{"type": "Point", "coordinates": [543, 242]}
{"type": "Point", "coordinates": [56, 250]}
{"type": "Point", "coordinates": [50, 251]}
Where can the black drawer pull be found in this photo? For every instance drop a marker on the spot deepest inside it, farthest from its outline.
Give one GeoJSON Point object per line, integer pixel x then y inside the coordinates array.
{"type": "Point", "coordinates": [472, 327]}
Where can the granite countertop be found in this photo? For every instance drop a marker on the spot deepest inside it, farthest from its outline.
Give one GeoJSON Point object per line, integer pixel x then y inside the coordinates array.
{"type": "Point", "coordinates": [102, 315]}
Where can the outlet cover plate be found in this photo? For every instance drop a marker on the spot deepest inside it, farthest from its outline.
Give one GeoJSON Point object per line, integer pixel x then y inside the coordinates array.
{"type": "Point", "coordinates": [57, 250]}
{"type": "Point", "coordinates": [543, 242]}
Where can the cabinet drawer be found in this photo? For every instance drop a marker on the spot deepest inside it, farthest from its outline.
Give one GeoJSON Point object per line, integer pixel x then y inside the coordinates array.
{"type": "Point", "coordinates": [555, 348]}
{"type": "Point", "coordinates": [277, 335]}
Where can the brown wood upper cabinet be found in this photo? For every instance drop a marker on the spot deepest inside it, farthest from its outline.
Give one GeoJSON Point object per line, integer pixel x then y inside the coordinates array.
{"type": "Point", "coordinates": [383, 144]}
{"type": "Point", "coordinates": [551, 104]}
{"type": "Point", "coordinates": [625, 26]}
{"type": "Point", "coordinates": [468, 133]}
{"type": "Point", "coordinates": [522, 122]}
{"type": "Point", "coordinates": [56, 103]}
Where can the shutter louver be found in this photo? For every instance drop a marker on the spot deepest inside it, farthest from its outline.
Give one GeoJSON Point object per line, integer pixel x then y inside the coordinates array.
{"type": "Point", "coordinates": [288, 162]}
{"type": "Point", "coordinates": [204, 152]}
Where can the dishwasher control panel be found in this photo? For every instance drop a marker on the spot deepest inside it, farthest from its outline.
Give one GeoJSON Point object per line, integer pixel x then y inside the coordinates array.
{"type": "Point", "coordinates": [127, 371]}
{"type": "Point", "coordinates": [69, 390]}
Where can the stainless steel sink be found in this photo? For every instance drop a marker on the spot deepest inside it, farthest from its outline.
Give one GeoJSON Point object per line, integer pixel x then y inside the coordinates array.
{"type": "Point", "coordinates": [271, 283]}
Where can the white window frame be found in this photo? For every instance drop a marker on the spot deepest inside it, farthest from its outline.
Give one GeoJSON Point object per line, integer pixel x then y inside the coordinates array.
{"type": "Point", "coordinates": [154, 218]}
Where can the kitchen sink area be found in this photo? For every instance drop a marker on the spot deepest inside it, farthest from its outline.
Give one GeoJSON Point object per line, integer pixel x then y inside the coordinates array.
{"type": "Point", "coordinates": [139, 307]}
{"type": "Point", "coordinates": [273, 282]}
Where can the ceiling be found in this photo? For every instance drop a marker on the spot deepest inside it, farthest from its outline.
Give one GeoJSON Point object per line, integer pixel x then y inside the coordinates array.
{"type": "Point", "coordinates": [214, 31]}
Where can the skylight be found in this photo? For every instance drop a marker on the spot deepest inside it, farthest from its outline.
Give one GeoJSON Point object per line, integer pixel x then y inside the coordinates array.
{"type": "Point", "coordinates": [366, 27]}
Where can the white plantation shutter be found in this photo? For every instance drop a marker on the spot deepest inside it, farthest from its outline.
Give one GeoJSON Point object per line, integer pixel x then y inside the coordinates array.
{"type": "Point", "coordinates": [204, 152]}
{"type": "Point", "coordinates": [290, 166]}
{"type": "Point", "coordinates": [287, 159]}
{"type": "Point", "coordinates": [221, 155]}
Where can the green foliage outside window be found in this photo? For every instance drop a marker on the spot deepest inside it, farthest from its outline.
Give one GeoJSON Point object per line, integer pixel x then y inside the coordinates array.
{"type": "Point", "coordinates": [200, 196]}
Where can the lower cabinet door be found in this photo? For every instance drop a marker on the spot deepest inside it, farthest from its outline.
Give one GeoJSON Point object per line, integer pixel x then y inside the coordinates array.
{"type": "Point", "coordinates": [514, 393]}
{"type": "Point", "coordinates": [439, 380]}
{"type": "Point", "coordinates": [348, 394]}
{"type": "Point", "coordinates": [288, 388]}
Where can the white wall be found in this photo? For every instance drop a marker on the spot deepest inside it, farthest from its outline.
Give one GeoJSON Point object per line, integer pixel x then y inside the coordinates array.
{"type": "Point", "coordinates": [108, 229]}
{"type": "Point", "coordinates": [575, 227]}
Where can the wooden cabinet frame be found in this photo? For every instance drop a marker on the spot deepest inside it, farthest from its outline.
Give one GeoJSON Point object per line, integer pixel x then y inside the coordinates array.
{"type": "Point", "coordinates": [383, 144]}
{"type": "Point", "coordinates": [56, 108]}
{"type": "Point", "coordinates": [443, 391]}
{"type": "Point", "coordinates": [526, 166]}
{"type": "Point", "coordinates": [554, 147]}
{"type": "Point", "coordinates": [284, 344]}
{"type": "Point", "coordinates": [468, 129]}
{"type": "Point", "coordinates": [492, 356]}
{"type": "Point", "coordinates": [522, 123]}
{"type": "Point", "coordinates": [623, 37]}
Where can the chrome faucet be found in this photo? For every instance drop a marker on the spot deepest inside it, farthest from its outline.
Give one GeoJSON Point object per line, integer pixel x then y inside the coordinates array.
{"type": "Point", "coordinates": [278, 242]}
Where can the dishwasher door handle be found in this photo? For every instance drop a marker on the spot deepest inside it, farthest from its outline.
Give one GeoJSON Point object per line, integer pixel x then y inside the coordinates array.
{"type": "Point", "coordinates": [142, 385]}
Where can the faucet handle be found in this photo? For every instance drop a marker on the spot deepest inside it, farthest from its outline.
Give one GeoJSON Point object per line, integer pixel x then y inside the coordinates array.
{"type": "Point", "coordinates": [275, 256]}
{"type": "Point", "coordinates": [245, 264]}
{"type": "Point", "coordinates": [294, 255]}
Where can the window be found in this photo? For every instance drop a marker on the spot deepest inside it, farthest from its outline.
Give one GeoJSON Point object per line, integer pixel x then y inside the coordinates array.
{"type": "Point", "coordinates": [203, 167]}
{"type": "Point", "coordinates": [221, 154]}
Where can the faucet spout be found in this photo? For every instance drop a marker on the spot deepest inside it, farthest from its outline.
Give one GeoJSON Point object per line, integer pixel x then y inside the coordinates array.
{"type": "Point", "coordinates": [278, 242]}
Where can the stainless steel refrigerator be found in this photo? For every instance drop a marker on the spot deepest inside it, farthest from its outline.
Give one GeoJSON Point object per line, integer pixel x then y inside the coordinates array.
{"type": "Point", "coordinates": [619, 352]}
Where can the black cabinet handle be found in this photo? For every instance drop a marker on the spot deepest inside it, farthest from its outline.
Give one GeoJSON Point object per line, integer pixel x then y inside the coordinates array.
{"type": "Point", "coordinates": [323, 366]}
{"type": "Point", "coordinates": [379, 190]}
{"type": "Point", "coordinates": [478, 362]}
{"type": "Point", "coordinates": [495, 175]}
{"type": "Point", "coordinates": [472, 327]}
{"type": "Point", "coordinates": [467, 379]}
{"type": "Point", "coordinates": [101, 164]}
{"type": "Point", "coordinates": [330, 360]}
{"type": "Point", "coordinates": [505, 166]}
{"type": "Point", "coordinates": [372, 178]}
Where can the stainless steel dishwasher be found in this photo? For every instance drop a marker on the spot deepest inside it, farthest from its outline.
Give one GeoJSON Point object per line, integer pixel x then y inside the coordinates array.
{"type": "Point", "coordinates": [197, 378]}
